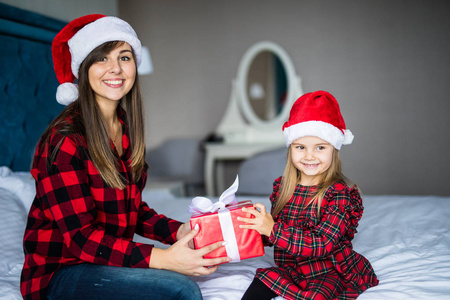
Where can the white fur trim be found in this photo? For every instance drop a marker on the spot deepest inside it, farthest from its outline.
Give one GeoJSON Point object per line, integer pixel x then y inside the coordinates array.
{"type": "Point", "coordinates": [100, 31]}
{"type": "Point", "coordinates": [66, 93]}
{"type": "Point", "coordinates": [325, 131]}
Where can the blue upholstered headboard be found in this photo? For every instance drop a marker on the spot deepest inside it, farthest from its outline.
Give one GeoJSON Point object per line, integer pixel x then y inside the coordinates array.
{"type": "Point", "coordinates": [27, 83]}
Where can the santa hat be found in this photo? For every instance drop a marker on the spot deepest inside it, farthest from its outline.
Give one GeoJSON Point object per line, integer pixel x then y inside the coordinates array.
{"type": "Point", "coordinates": [317, 114]}
{"type": "Point", "coordinates": [77, 39]}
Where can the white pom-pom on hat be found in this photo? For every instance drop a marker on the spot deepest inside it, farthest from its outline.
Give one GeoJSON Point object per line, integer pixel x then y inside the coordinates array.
{"type": "Point", "coordinates": [66, 93]}
{"type": "Point", "coordinates": [348, 137]}
{"type": "Point", "coordinates": [77, 39]}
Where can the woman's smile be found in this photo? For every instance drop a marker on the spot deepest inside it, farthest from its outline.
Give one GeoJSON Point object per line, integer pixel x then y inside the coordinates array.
{"type": "Point", "coordinates": [112, 77]}
{"type": "Point", "coordinates": [114, 83]}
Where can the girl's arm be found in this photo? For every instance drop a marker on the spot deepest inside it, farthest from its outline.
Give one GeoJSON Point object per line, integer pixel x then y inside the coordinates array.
{"type": "Point", "coordinates": [340, 213]}
{"type": "Point", "coordinates": [317, 241]}
{"type": "Point", "coordinates": [312, 242]}
{"type": "Point", "coordinates": [262, 221]}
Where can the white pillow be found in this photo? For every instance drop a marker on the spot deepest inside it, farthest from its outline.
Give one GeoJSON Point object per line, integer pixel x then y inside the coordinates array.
{"type": "Point", "coordinates": [20, 184]}
{"type": "Point", "coordinates": [12, 226]}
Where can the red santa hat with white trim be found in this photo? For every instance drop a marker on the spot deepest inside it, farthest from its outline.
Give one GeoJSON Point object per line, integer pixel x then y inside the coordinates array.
{"type": "Point", "coordinates": [77, 39]}
{"type": "Point", "coordinates": [317, 114]}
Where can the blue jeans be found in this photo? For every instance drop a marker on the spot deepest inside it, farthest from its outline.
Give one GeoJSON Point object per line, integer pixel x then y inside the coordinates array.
{"type": "Point", "coordinates": [88, 281]}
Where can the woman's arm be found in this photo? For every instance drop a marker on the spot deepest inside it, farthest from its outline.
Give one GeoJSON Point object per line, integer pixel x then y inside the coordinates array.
{"type": "Point", "coordinates": [66, 190]}
{"type": "Point", "coordinates": [156, 226]}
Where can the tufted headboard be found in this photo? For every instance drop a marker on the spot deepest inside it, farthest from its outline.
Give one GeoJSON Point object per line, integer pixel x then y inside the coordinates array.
{"type": "Point", "coordinates": [27, 83]}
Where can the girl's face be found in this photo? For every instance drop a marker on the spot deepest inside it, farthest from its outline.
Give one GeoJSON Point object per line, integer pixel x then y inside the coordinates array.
{"type": "Point", "coordinates": [312, 156]}
{"type": "Point", "coordinates": [113, 76]}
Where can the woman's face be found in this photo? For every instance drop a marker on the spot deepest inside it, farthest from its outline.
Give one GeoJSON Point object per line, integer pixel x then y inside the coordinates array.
{"type": "Point", "coordinates": [113, 76]}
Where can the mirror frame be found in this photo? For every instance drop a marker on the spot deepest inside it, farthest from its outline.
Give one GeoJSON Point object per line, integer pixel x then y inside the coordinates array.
{"type": "Point", "coordinates": [242, 76]}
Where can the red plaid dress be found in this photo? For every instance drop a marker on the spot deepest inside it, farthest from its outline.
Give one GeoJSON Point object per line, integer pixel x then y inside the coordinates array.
{"type": "Point", "coordinates": [76, 218]}
{"type": "Point", "coordinates": [315, 257]}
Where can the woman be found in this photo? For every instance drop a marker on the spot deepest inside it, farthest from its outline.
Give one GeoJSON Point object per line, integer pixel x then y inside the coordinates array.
{"type": "Point", "coordinates": [90, 171]}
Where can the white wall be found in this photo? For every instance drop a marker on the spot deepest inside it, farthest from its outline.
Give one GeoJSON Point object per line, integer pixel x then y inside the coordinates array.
{"type": "Point", "coordinates": [387, 62]}
{"type": "Point", "coordinates": [67, 10]}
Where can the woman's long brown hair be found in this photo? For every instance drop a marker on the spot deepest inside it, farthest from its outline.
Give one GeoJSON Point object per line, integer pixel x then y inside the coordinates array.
{"type": "Point", "coordinates": [86, 113]}
{"type": "Point", "coordinates": [291, 177]}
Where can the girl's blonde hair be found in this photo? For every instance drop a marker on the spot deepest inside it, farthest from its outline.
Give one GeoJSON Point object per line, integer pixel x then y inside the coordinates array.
{"type": "Point", "coordinates": [291, 177]}
{"type": "Point", "coordinates": [86, 114]}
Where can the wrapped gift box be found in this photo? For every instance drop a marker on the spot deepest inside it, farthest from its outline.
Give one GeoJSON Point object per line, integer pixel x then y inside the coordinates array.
{"type": "Point", "coordinates": [223, 225]}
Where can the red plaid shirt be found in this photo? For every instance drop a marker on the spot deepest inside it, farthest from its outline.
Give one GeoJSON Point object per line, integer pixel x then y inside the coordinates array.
{"type": "Point", "coordinates": [315, 257]}
{"type": "Point", "coordinates": [76, 218]}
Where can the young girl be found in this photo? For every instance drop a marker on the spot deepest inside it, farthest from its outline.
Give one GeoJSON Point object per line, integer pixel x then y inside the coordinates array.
{"type": "Point", "coordinates": [315, 212]}
{"type": "Point", "coordinates": [90, 171]}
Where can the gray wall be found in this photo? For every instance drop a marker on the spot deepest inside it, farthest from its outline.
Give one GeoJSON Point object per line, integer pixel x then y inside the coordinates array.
{"type": "Point", "coordinates": [66, 10]}
{"type": "Point", "coordinates": [387, 62]}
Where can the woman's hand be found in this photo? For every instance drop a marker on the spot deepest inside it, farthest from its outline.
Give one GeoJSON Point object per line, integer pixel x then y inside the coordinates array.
{"type": "Point", "coordinates": [182, 259]}
{"type": "Point", "coordinates": [183, 231]}
{"type": "Point", "coordinates": [263, 221]}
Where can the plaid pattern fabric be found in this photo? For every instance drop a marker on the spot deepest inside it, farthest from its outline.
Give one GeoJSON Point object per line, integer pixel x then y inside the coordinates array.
{"type": "Point", "coordinates": [76, 218]}
{"type": "Point", "coordinates": [314, 256]}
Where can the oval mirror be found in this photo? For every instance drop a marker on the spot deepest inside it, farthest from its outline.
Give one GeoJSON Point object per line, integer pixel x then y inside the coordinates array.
{"type": "Point", "coordinates": [266, 85]}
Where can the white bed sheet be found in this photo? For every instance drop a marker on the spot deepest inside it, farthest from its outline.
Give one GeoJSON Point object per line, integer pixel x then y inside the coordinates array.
{"type": "Point", "coordinates": [406, 238]}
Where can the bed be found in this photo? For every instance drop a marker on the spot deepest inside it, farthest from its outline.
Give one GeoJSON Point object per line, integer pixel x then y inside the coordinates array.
{"type": "Point", "coordinates": [406, 238]}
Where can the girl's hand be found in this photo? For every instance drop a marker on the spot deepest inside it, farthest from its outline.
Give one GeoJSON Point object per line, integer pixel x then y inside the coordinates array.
{"type": "Point", "coordinates": [182, 259]}
{"type": "Point", "coordinates": [263, 221]}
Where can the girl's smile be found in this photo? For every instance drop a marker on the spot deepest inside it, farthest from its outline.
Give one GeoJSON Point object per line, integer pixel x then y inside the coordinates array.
{"type": "Point", "coordinates": [312, 156]}
{"type": "Point", "coordinates": [310, 166]}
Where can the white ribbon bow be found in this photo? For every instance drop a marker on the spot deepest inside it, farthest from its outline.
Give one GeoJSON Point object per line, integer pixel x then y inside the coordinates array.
{"type": "Point", "coordinates": [204, 205]}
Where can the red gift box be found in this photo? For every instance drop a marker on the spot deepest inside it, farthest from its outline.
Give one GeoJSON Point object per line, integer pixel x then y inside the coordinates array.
{"type": "Point", "coordinates": [223, 225]}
